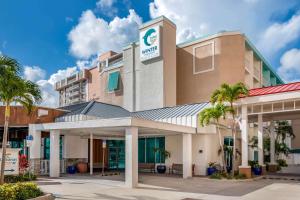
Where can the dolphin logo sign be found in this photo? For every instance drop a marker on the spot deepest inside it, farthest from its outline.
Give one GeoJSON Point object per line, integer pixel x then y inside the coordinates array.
{"type": "Point", "coordinates": [150, 37]}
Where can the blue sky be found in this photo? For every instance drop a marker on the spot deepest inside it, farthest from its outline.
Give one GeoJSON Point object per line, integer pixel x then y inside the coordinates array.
{"type": "Point", "coordinates": [52, 39]}
{"type": "Point", "coordinates": [35, 32]}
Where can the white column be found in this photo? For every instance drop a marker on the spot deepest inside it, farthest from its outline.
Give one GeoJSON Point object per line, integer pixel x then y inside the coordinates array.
{"type": "Point", "coordinates": [244, 135]}
{"type": "Point", "coordinates": [272, 143]}
{"type": "Point", "coordinates": [260, 140]}
{"type": "Point", "coordinates": [35, 148]}
{"type": "Point", "coordinates": [91, 154]}
{"type": "Point", "coordinates": [131, 157]}
{"type": "Point", "coordinates": [54, 153]}
{"type": "Point", "coordinates": [187, 154]}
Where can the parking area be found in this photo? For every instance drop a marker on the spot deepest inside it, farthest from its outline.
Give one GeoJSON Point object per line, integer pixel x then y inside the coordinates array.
{"type": "Point", "coordinates": [161, 187]}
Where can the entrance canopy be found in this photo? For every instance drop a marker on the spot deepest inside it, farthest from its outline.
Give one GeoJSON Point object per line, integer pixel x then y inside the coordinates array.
{"type": "Point", "coordinates": [109, 120]}
{"type": "Point", "coordinates": [267, 104]}
{"type": "Point", "coordinates": [280, 102]}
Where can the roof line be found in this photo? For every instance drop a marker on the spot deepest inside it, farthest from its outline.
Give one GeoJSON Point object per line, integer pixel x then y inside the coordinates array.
{"type": "Point", "coordinates": [85, 110]}
{"type": "Point", "coordinates": [275, 85]}
{"type": "Point", "coordinates": [256, 51]}
{"type": "Point", "coordinates": [206, 102]}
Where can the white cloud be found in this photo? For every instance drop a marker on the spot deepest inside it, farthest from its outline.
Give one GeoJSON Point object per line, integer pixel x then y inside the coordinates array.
{"type": "Point", "coordinates": [84, 64]}
{"type": "Point", "coordinates": [199, 17]}
{"type": "Point", "coordinates": [106, 7]}
{"type": "Point", "coordinates": [279, 35]}
{"type": "Point", "coordinates": [38, 75]}
{"type": "Point", "coordinates": [50, 96]}
{"type": "Point", "coordinates": [94, 35]}
{"type": "Point", "coordinates": [61, 74]}
{"type": "Point", "coordinates": [290, 65]}
{"type": "Point", "coordinates": [105, 3]}
{"type": "Point", "coordinates": [34, 73]}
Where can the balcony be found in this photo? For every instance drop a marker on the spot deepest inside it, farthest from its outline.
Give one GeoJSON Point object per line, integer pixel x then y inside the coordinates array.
{"type": "Point", "coordinates": [256, 73]}
{"type": "Point", "coordinates": [80, 76]}
{"type": "Point", "coordinates": [247, 65]}
{"type": "Point", "coordinates": [74, 94]}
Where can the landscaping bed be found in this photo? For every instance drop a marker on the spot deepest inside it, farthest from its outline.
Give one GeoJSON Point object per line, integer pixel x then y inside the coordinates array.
{"type": "Point", "coordinates": [20, 188]}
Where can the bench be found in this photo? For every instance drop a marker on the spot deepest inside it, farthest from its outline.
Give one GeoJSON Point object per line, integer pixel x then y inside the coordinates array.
{"type": "Point", "coordinates": [178, 169]}
{"type": "Point", "coordinates": [147, 167]}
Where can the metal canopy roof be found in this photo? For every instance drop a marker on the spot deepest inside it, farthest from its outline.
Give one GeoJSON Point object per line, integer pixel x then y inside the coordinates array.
{"type": "Point", "coordinates": [171, 112]}
{"type": "Point", "coordinates": [181, 115]}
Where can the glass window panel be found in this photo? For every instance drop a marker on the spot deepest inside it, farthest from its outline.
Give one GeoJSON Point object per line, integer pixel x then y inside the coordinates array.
{"type": "Point", "coordinates": [141, 150]}
{"type": "Point", "coordinates": [160, 143]}
{"type": "Point", "coordinates": [150, 145]}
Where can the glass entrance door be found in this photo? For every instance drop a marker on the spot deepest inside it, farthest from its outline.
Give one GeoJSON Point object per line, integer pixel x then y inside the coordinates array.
{"type": "Point", "coordinates": [116, 154]}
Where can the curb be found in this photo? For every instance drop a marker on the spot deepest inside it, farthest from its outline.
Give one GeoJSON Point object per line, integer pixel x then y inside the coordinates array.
{"type": "Point", "coordinates": [44, 197]}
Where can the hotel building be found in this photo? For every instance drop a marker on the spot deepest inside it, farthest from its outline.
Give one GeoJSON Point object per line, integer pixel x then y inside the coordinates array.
{"type": "Point", "coordinates": [149, 96]}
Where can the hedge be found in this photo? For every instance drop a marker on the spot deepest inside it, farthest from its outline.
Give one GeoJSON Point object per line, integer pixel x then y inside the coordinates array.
{"type": "Point", "coordinates": [19, 178]}
{"type": "Point", "coordinates": [19, 191]}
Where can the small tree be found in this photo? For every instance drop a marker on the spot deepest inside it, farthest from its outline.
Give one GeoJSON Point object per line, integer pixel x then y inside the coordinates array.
{"type": "Point", "coordinates": [162, 153]}
{"type": "Point", "coordinates": [212, 115]}
{"type": "Point", "coordinates": [229, 94]}
{"type": "Point", "coordinates": [14, 89]}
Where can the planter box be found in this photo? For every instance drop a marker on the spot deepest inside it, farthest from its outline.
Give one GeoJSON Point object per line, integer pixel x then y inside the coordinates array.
{"type": "Point", "coordinates": [44, 197]}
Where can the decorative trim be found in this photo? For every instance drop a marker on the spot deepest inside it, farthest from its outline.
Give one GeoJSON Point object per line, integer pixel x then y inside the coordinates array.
{"type": "Point", "coordinates": [213, 57]}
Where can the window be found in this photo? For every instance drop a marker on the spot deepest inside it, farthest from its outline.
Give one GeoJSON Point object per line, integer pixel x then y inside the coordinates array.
{"type": "Point", "coordinates": [113, 81]}
{"type": "Point", "coordinates": [228, 141]}
{"type": "Point", "coordinates": [203, 57]}
{"type": "Point", "coordinates": [146, 149]}
{"type": "Point", "coordinates": [46, 148]}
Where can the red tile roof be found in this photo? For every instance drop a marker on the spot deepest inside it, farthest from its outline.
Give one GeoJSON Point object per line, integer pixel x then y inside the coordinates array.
{"type": "Point", "coordinates": [275, 89]}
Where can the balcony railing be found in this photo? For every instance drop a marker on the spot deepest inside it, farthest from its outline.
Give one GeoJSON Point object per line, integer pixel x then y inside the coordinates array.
{"type": "Point", "coordinates": [82, 75]}
{"type": "Point", "coordinates": [45, 167]}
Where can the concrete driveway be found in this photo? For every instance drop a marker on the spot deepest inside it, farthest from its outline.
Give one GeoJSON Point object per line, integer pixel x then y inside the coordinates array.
{"type": "Point", "coordinates": [163, 188]}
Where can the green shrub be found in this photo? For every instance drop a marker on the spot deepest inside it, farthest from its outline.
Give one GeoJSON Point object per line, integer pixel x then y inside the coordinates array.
{"type": "Point", "coordinates": [216, 175]}
{"type": "Point", "coordinates": [240, 176]}
{"type": "Point", "coordinates": [252, 163]}
{"type": "Point", "coordinates": [19, 191]}
{"type": "Point", "coordinates": [282, 163]}
{"type": "Point", "coordinates": [19, 178]}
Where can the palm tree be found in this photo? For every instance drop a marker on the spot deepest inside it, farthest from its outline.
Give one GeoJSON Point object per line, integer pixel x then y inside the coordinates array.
{"type": "Point", "coordinates": [213, 115]}
{"type": "Point", "coordinates": [14, 89]}
{"type": "Point", "coordinates": [229, 94]}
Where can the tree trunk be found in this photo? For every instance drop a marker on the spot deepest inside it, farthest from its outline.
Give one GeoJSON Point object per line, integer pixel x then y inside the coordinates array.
{"type": "Point", "coordinates": [4, 142]}
{"type": "Point", "coordinates": [222, 148]}
{"type": "Point", "coordinates": [234, 140]}
{"type": "Point", "coordinates": [233, 152]}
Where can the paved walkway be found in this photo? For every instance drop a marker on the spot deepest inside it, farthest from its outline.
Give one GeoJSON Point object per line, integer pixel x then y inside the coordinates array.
{"type": "Point", "coordinates": [163, 188]}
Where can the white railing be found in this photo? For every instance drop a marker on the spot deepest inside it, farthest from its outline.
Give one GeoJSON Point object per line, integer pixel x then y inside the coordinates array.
{"type": "Point", "coordinates": [45, 167]}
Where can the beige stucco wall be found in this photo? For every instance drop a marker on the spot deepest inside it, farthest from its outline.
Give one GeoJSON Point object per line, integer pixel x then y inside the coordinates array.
{"type": "Point", "coordinates": [169, 63]}
{"type": "Point", "coordinates": [93, 84]}
{"type": "Point", "coordinates": [97, 87]}
{"type": "Point", "coordinates": [229, 59]}
{"type": "Point", "coordinates": [204, 150]}
{"type": "Point", "coordinates": [71, 144]}
{"type": "Point", "coordinates": [173, 144]}
{"type": "Point", "coordinates": [296, 130]}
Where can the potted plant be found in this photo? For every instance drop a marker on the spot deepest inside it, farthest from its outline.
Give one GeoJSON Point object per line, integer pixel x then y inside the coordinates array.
{"type": "Point", "coordinates": [211, 169]}
{"type": "Point", "coordinates": [257, 170]}
{"type": "Point", "coordinates": [71, 166]}
{"type": "Point", "coordinates": [161, 167]}
{"type": "Point", "coordinates": [82, 167]}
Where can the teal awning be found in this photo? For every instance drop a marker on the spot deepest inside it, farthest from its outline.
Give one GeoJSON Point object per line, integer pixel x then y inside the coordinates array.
{"type": "Point", "coordinates": [113, 81]}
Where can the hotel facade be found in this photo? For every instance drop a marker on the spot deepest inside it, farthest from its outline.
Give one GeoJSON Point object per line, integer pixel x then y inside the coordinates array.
{"type": "Point", "coordinates": [150, 95]}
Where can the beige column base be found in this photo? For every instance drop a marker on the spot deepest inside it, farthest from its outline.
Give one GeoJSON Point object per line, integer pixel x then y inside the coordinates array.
{"type": "Point", "coordinates": [245, 170]}
{"type": "Point", "coordinates": [272, 167]}
{"type": "Point", "coordinates": [263, 170]}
